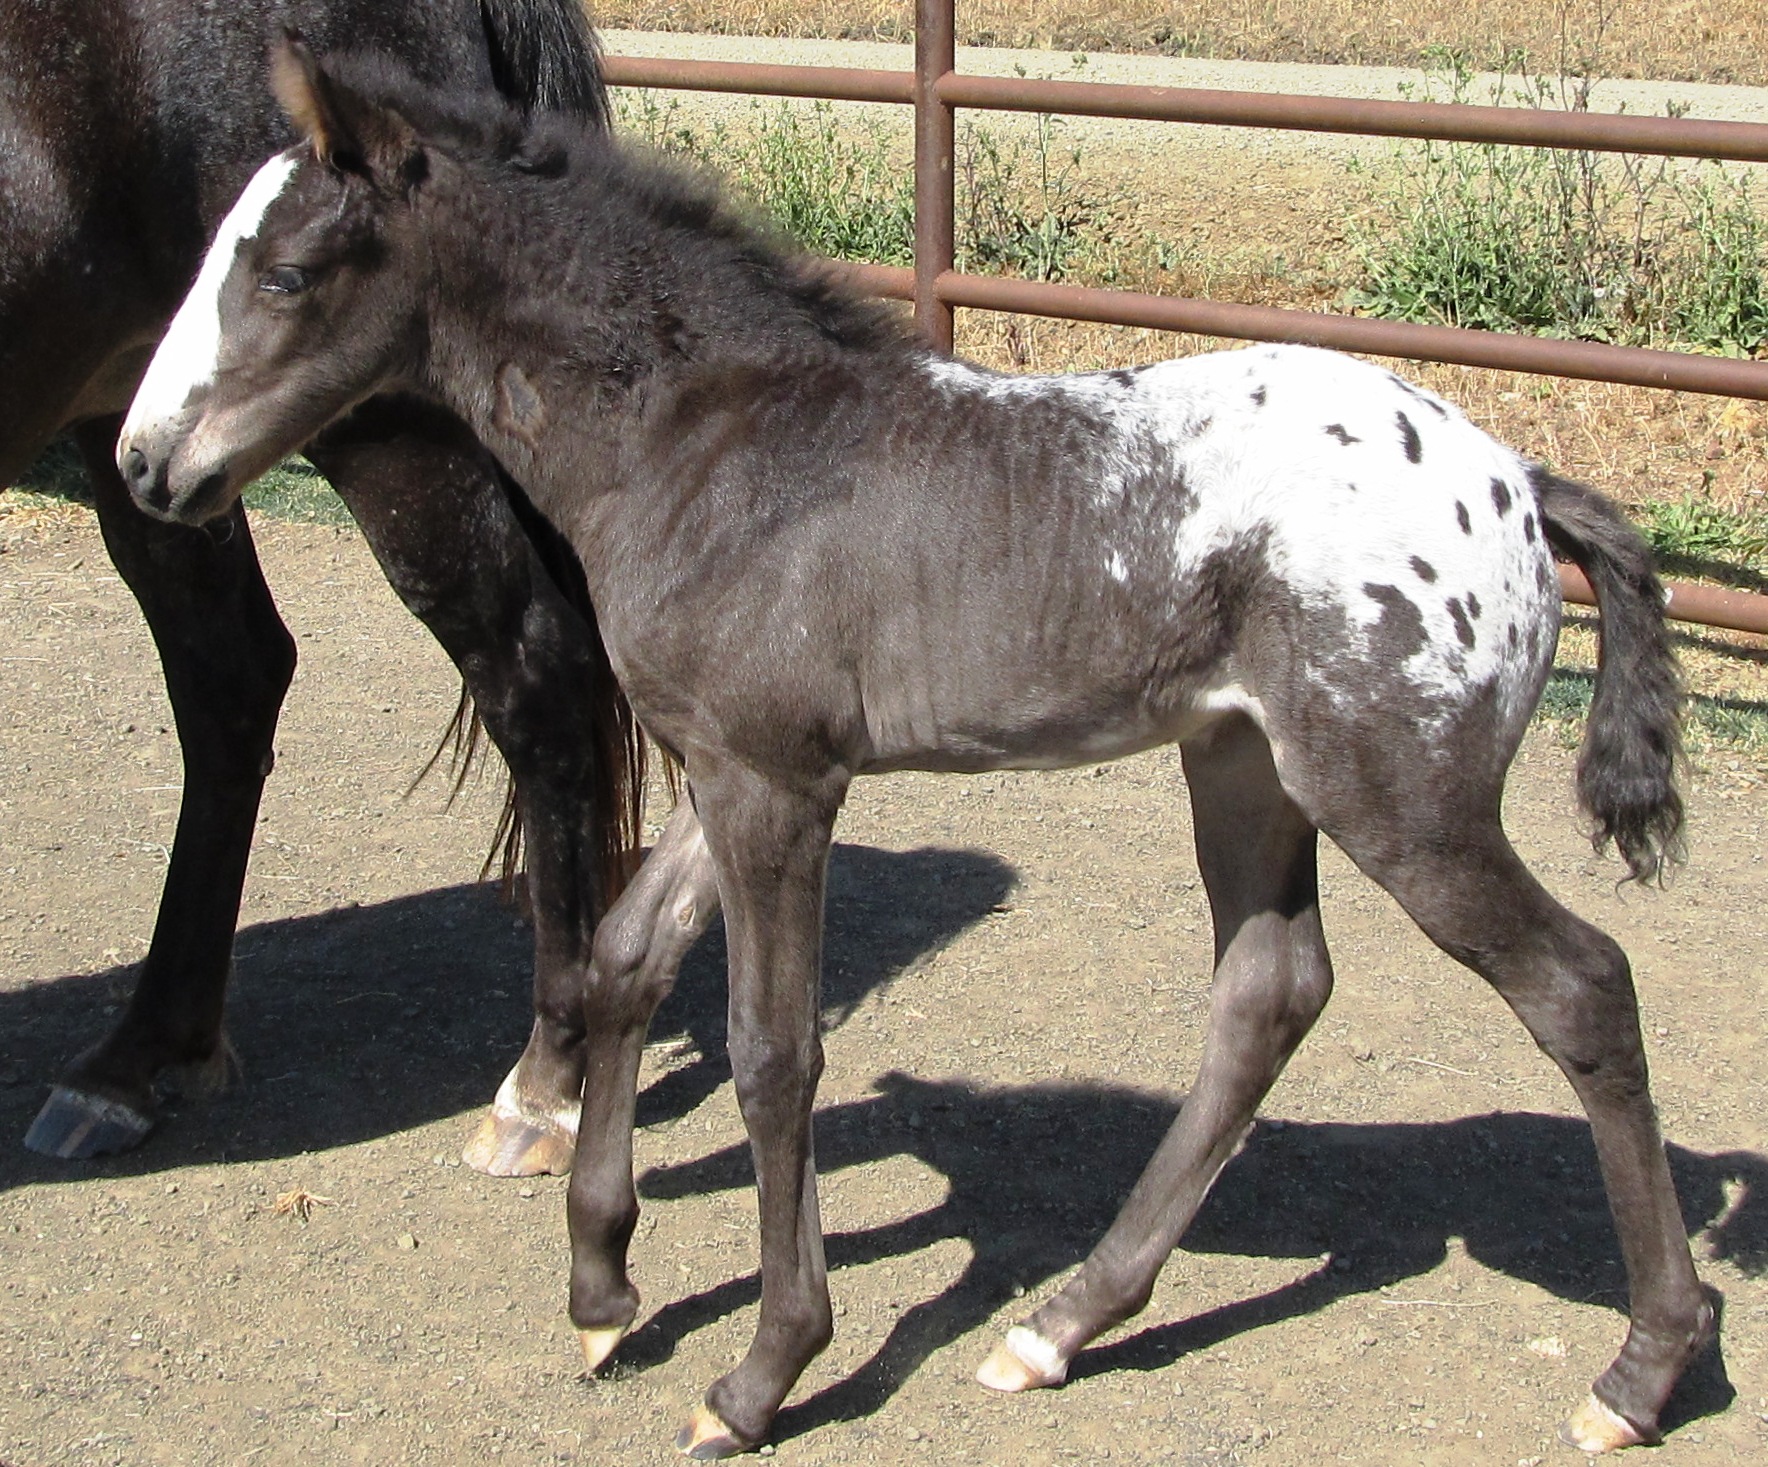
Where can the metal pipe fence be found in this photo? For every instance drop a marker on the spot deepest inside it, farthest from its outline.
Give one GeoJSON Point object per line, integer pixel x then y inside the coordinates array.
{"type": "Point", "coordinates": [936, 89]}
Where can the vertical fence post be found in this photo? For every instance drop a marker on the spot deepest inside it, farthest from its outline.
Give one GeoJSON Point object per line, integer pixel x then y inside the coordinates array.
{"type": "Point", "coordinates": [936, 54]}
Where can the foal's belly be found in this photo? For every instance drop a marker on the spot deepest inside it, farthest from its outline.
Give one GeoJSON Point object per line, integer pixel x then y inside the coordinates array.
{"type": "Point", "coordinates": [1040, 729]}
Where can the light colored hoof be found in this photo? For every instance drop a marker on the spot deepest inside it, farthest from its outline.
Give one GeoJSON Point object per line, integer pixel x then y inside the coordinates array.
{"type": "Point", "coordinates": [598, 1344]}
{"type": "Point", "coordinates": [706, 1439]}
{"type": "Point", "coordinates": [74, 1125]}
{"type": "Point", "coordinates": [509, 1146]}
{"type": "Point", "coordinates": [1594, 1428]}
{"type": "Point", "coordinates": [1024, 1361]}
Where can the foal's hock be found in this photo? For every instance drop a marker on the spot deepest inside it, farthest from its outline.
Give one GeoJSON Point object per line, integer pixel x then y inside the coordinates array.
{"type": "Point", "coordinates": [819, 550]}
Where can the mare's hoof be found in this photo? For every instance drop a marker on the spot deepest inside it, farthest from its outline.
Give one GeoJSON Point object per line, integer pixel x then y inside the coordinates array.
{"type": "Point", "coordinates": [1594, 1428]}
{"type": "Point", "coordinates": [598, 1344]}
{"type": "Point", "coordinates": [1024, 1361]}
{"type": "Point", "coordinates": [207, 1078]}
{"type": "Point", "coordinates": [74, 1125]}
{"type": "Point", "coordinates": [512, 1146]}
{"type": "Point", "coordinates": [706, 1439]}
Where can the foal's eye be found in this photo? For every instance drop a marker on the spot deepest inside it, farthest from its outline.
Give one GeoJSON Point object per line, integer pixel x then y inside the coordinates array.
{"type": "Point", "coordinates": [284, 280]}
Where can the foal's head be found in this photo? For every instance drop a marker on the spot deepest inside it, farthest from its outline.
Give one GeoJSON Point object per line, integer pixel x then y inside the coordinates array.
{"type": "Point", "coordinates": [310, 300]}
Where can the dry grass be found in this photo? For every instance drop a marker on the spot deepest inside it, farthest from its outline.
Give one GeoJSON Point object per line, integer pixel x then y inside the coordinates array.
{"type": "Point", "coordinates": [27, 515]}
{"type": "Point", "coordinates": [1681, 40]}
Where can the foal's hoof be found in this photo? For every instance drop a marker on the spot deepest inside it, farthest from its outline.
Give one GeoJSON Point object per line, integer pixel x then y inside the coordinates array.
{"type": "Point", "coordinates": [1594, 1428]}
{"type": "Point", "coordinates": [74, 1125]}
{"type": "Point", "coordinates": [514, 1146]}
{"type": "Point", "coordinates": [598, 1344]}
{"type": "Point", "coordinates": [706, 1439]}
{"type": "Point", "coordinates": [1024, 1361]}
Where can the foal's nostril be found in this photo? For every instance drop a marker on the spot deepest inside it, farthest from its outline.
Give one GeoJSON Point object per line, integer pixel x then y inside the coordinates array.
{"type": "Point", "coordinates": [139, 478]}
{"type": "Point", "coordinates": [134, 467]}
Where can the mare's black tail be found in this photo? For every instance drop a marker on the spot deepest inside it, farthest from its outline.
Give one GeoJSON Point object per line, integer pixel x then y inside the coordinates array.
{"type": "Point", "coordinates": [1633, 742]}
{"type": "Point", "coordinates": [617, 750]}
{"type": "Point", "coordinates": [544, 54]}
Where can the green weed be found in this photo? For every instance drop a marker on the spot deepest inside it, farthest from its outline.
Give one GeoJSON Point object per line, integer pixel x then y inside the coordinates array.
{"type": "Point", "coordinates": [57, 473]}
{"type": "Point", "coordinates": [1022, 207]}
{"type": "Point", "coordinates": [291, 491]}
{"type": "Point", "coordinates": [294, 490]}
{"type": "Point", "coordinates": [839, 191]}
{"type": "Point", "coordinates": [843, 189]}
{"type": "Point", "coordinates": [1563, 242]}
{"type": "Point", "coordinates": [1692, 528]}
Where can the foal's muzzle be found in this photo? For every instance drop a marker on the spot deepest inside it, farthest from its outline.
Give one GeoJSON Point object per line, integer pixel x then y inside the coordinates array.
{"type": "Point", "coordinates": [159, 484]}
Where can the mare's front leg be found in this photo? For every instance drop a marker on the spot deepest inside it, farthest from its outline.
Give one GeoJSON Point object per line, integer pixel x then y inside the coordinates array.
{"type": "Point", "coordinates": [433, 510]}
{"type": "Point", "coordinates": [1256, 851]}
{"type": "Point", "coordinates": [228, 660]}
{"type": "Point", "coordinates": [638, 951]}
{"type": "Point", "coordinates": [770, 847]}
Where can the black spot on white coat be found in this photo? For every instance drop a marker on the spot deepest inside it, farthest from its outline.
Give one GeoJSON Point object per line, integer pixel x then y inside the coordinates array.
{"type": "Point", "coordinates": [1409, 439]}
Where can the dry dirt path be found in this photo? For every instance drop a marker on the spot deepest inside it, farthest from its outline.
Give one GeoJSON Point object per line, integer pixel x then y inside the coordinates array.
{"type": "Point", "coordinates": [1389, 83]}
{"type": "Point", "coordinates": [1409, 1263]}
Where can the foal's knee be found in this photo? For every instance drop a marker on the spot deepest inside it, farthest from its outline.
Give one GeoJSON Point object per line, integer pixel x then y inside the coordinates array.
{"type": "Point", "coordinates": [626, 978]}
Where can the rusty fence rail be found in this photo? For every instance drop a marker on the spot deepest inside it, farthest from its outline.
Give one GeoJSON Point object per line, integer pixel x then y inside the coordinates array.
{"type": "Point", "coordinates": [935, 89]}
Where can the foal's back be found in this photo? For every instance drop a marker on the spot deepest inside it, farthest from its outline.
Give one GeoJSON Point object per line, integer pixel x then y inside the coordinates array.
{"type": "Point", "coordinates": [1061, 569]}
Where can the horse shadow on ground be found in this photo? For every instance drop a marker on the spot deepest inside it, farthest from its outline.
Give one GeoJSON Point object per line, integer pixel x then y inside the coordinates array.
{"type": "Point", "coordinates": [366, 1021]}
{"type": "Point", "coordinates": [1036, 1174]}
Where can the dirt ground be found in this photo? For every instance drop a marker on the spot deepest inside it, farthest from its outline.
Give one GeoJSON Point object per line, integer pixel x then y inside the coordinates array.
{"type": "Point", "coordinates": [1410, 1261]}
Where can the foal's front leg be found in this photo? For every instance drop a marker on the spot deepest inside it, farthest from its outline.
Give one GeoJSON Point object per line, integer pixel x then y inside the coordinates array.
{"type": "Point", "coordinates": [770, 846]}
{"type": "Point", "coordinates": [638, 950]}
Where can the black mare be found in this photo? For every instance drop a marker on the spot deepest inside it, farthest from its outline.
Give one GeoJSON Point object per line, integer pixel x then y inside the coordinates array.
{"type": "Point", "coordinates": [818, 550]}
{"type": "Point", "coordinates": [126, 129]}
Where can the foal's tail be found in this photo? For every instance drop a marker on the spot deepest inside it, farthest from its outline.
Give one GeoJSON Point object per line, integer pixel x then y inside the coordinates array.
{"type": "Point", "coordinates": [1633, 740]}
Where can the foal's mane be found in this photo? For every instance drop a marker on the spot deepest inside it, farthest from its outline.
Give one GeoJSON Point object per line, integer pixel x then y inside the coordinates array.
{"type": "Point", "coordinates": [628, 195]}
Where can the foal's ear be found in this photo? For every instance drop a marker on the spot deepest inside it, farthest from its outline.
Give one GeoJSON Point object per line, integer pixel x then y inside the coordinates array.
{"type": "Point", "coordinates": [350, 132]}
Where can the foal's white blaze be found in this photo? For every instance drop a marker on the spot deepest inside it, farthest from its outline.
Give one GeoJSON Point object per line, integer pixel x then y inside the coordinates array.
{"type": "Point", "coordinates": [189, 351]}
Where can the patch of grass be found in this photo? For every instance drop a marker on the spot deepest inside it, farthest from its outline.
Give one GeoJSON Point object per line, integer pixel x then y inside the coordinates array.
{"type": "Point", "coordinates": [291, 491]}
{"type": "Point", "coordinates": [1702, 538]}
{"type": "Point", "coordinates": [294, 490]}
{"type": "Point", "coordinates": [1709, 723]}
{"type": "Point", "coordinates": [843, 189]}
{"type": "Point", "coordinates": [57, 473]}
{"type": "Point", "coordinates": [838, 191]}
{"type": "Point", "coordinates": [1563, 242]}
{"type": "Point", "coordinates": [1023, 208]}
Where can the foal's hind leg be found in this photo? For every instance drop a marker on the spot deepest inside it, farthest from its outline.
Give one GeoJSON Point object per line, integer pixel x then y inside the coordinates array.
{"type": "Point", "coordinates": [1272, 977]}
{"type": "Point", "coordinates": [1572, 987]}
{"type": "Point", "coordinates": [434, 512]}
{"type": "Point", "coordinates": [228, 660]}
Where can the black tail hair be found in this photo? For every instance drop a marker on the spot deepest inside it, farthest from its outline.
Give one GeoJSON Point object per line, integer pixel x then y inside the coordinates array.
{"type": "Point", "coordinates": [1632, 752]}
{"type": "Point", "coordinates": [544, 55]}
{"type": "Point", "coordinates": [620, 752]}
